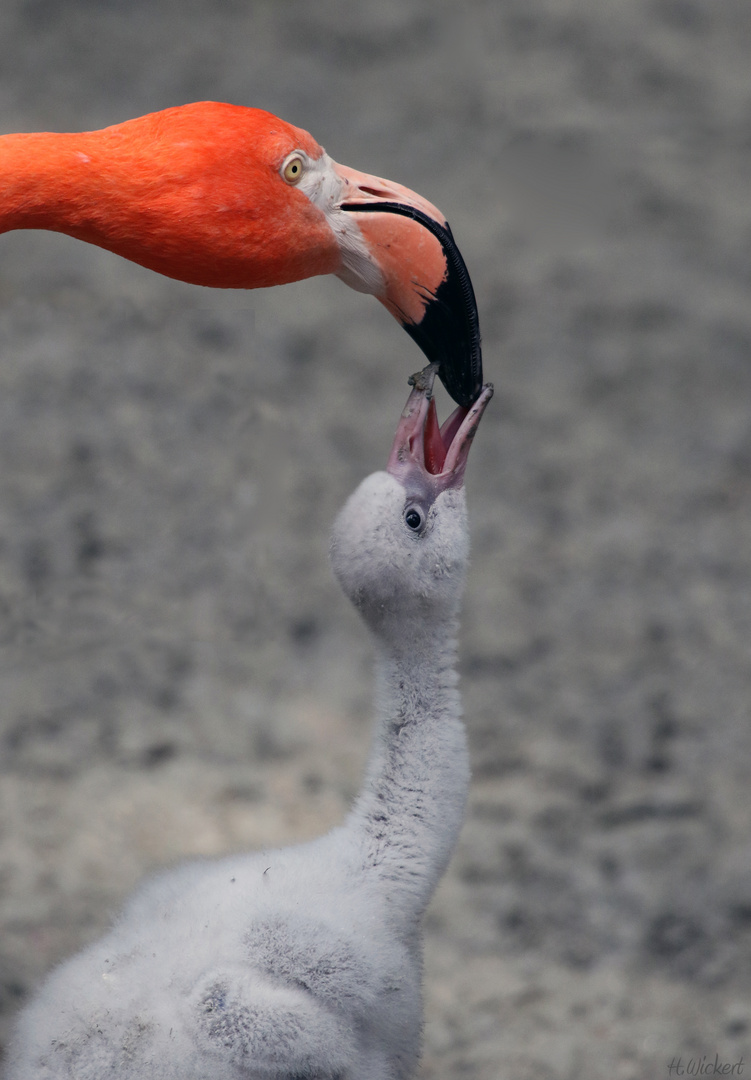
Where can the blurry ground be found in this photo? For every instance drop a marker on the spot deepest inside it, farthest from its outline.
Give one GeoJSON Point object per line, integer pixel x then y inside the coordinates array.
{"type": "Point", "coordinates": [179, 673]}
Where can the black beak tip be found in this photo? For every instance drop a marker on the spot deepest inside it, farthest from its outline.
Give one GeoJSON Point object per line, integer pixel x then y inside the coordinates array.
{"type": "Point", "coordinates": [449, 336]}
{"type": "Point", "coordinates": [463, 381]}
{"type": "Point", "coordinates": [449, 331]}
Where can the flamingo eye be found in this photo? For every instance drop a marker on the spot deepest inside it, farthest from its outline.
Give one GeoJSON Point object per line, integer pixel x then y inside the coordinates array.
{"type": "Point", "coordinates": [292, 167]}
{"type": "Point", "coordinates": [413, 518]}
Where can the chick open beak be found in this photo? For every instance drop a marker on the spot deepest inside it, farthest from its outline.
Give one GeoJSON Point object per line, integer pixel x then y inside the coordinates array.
{"type": "Point", "coordinates": [438, 453]}
{"type": "Point", "coordinates": [426, 283]}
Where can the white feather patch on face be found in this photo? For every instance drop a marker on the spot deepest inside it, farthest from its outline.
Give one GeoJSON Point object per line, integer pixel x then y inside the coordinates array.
{"type": "Point", "coordinates": [324, 188]}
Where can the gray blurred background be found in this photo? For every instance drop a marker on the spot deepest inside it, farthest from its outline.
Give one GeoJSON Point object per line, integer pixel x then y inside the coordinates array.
{"type": "Point", "coordinates": [179, 673]}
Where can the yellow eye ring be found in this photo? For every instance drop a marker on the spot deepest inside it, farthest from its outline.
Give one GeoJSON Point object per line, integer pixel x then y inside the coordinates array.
{"type": "Point", "coordinates": [293, 167]}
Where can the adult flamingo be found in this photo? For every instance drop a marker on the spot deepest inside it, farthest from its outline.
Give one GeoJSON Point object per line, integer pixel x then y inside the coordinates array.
{"type": "Point", "coordinates": [232, 197]}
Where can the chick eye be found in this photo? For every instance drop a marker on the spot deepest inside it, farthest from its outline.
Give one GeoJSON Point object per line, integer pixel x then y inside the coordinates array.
{"type": "Point", "coordinates": [413, 518]}
{"type": "Point", "coordinates": [292, 168]}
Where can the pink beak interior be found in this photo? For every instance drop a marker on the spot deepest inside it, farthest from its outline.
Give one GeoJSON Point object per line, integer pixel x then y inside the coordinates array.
{"type": "Point", "coordinates": [438, 452]}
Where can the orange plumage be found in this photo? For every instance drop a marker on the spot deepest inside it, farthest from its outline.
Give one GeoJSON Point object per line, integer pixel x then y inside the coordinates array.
{"type": "Point", "coordinates": [191, 192]}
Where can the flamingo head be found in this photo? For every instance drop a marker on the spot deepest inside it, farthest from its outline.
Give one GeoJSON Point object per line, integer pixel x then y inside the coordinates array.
{"type": "Point", "coordinates": [232, 197]}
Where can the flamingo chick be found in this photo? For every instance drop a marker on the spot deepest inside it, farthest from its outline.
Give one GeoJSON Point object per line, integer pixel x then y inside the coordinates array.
{"type": "Point", "coordinates": [232, 197]}
{"type": "Point", "coordinates": [305, 963]}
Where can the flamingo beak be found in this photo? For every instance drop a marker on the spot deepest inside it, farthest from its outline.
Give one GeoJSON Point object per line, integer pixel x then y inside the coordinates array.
{"type": "Point", "coordinates": [438, 454]}
{"type": "Point", "coordinates": [426, 283]}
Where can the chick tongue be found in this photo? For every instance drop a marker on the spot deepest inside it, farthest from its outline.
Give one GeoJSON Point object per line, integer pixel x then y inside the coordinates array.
{"type": "Point", "coordinates": [437, 439]}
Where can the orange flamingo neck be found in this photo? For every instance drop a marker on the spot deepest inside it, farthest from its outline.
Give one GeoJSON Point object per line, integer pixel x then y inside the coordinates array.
{"type": "Point", "coordinates": [193, 193]}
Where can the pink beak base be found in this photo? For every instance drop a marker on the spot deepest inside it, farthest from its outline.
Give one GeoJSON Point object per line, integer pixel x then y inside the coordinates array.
{"type": "Point", "coordinates": [363, 188]}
